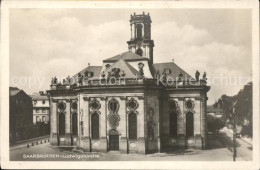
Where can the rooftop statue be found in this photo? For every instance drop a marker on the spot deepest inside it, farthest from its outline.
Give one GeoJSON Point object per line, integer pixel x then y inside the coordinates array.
{"type": "Point", "coordinates": [205, 76]}
{"type": "Point", "coordinates": [197, 75]}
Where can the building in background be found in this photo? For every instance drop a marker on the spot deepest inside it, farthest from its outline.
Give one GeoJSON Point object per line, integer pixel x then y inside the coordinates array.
{"type": "Point", "coordinates": [20, 115]}
{"type": "Point", "coordinates": [41, 108]}
{"type": "Point", "coordinates": [216, 112]}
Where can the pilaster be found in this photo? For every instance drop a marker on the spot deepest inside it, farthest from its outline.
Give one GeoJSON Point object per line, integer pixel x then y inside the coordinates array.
{"type": "Point", "coordinates": [67, 124]}
{"type": "Point", "coordinates": [86, 120]}
{"type": "Point", "coordinates": [53, 122]}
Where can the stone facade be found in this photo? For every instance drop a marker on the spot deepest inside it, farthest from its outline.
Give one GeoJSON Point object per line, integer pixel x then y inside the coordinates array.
{"type": "Point", "coordinates": [130, 104]}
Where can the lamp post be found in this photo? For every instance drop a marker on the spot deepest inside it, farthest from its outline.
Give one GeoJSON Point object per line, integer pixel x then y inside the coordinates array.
{"type": "Point", "coordinates": [234, 132]}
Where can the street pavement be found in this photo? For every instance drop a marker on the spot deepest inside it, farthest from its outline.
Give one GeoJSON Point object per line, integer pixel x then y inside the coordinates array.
{"type": "Point", "coordinates": [244, 149]}
{"type": "Point", "coordinates": [46, 152]}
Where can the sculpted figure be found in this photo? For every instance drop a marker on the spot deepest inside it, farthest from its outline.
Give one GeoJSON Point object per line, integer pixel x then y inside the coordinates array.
{"type": "Point", "coordinates": [197, 75]}
{"type": "Point", "coordinates": [204, 76]}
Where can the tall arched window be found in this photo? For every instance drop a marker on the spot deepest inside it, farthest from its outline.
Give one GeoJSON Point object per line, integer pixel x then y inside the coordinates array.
{"type": "Point", "coordinates": [74, 124]}
{"type": "Point", "coordinates": [61, 124]}
{"type": "Point", "coordinates": [132, 119]}
{"type": "Point", "coordinates": [95, 126]}
{"type": "Point", "coordinates": [139, 30]}
{"type": "Point", "coordinates": [189, 125]}
{"type": "Point", "coordinates": [173, 124]}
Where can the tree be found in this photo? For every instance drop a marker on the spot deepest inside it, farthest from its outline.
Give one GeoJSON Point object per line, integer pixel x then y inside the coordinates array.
{"type": "Point", "coordinates": [243, 108]}
{"type": "Point", "coordinates": [214, 124]}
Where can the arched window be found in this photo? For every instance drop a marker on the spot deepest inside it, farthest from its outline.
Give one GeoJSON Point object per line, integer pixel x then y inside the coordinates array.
{"type": "Point", "coordinates": [139, 31]}
{"type": "Point", "coordinates": [74, 124]}
{"type": "Point", "coordinates": [37, 119]}
{"type": "Point", "coordinates": [95, 126]}
{"type": "Point", "coordinates": [43, 119]}
{"type": "Point", "coordinates": [173, 124]}
{"type": "Point", "coordinates": [132, 119]}
{"type": "Point", "coordinates": [61, 124]}
{"type": "Point", "coordinates": [189, 125]}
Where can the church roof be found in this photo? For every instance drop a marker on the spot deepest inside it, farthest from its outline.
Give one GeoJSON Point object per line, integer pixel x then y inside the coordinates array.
{"type": "Point", "coordinates": [130, 72]}
{"type": "Point", "coordinates": [175, 70]}
{"type": "Point", "coordinates": [127, 56]}
{"type": "Point", "coordinates": [95, 69]}
{"type": "Point", "coordinates": [14, 92]}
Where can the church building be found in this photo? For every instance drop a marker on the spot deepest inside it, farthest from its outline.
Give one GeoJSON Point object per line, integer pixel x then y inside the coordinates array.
{"type": "Point", "coordinates": [130, 104]}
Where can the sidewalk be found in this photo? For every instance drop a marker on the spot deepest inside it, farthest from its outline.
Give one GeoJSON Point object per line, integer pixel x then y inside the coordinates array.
{"type": "Point", "coordinates": [34, 141]}
{"type": "Point", "coordinates": [216, 152]}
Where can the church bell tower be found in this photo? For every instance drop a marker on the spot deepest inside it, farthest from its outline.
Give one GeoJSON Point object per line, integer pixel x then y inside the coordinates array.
{"type": "Point", "coordinates": [140, 42]}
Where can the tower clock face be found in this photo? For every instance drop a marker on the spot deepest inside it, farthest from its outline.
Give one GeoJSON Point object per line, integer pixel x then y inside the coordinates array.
{"type": "Point", "coordinates": [139, 43]}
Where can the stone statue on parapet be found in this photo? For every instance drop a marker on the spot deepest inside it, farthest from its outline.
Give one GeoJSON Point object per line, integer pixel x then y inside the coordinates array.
{"type": "Point", "coordinates": [205, 76]}
{"type": "Point", "coordinates": [68, 80]}
{"type": "Point", "coordinates": [54, 81]}
{"type": "Point", "coordinates": [197, 75]}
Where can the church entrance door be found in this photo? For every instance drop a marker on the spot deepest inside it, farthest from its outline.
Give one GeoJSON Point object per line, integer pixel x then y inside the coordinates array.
{"type": "Point", "coordinates": [113, 141]}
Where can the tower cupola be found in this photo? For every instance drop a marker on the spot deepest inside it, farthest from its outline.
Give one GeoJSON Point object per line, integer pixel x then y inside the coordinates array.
{"type": "Point", "coordinates": [140, 41]}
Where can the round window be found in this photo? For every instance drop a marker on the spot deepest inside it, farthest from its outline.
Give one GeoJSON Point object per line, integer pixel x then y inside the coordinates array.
{"type": "Point", "coordinates": [189, 104]}
{"type": "Point", "coordinates": [74, 105]}
{"type": "Point", "coordinates": [61, 106]}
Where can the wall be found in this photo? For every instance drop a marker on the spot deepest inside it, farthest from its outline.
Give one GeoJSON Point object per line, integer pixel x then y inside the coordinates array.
{"type": "Point", "coordinates": [152, 114]}
{"type": "Point", "coordinates": [102, 144]}
{"type": "Point", "coordinates": [199, 120]}
{"type": "Point", "coordinates": [55, 138]}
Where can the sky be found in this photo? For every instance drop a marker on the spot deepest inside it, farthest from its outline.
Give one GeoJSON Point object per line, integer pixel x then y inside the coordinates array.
{"type": "Point", "coordinates": [59, 42]}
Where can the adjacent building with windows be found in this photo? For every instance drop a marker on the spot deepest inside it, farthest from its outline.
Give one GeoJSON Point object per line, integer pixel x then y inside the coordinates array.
{"type": "Point", "coordinates": [20, 115]}
{"type": "Point", "coordinates": [130, 104]}
{"type": "Point", "coordinates": [41, 109]}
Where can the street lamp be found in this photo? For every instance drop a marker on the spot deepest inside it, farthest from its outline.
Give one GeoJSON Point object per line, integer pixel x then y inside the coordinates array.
{"type": "Point", "coordinates": [234, 131]}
